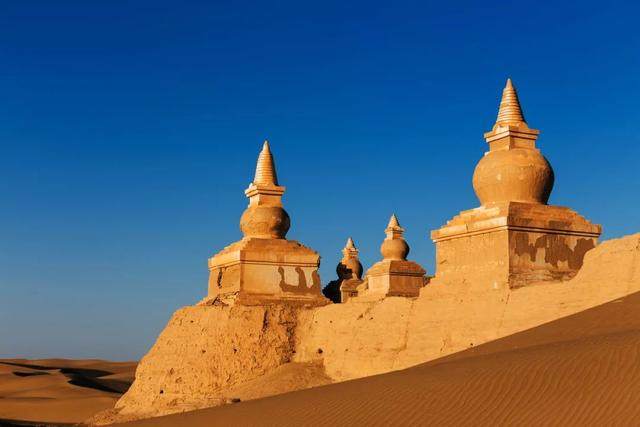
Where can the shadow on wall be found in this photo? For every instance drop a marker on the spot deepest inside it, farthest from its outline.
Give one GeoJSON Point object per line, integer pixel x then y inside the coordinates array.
{"type": "Point", "coordinates": [301, 287]}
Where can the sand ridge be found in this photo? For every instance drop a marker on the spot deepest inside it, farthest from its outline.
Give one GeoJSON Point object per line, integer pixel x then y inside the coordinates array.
{"type": "Point", "coordinates": [60, 390]}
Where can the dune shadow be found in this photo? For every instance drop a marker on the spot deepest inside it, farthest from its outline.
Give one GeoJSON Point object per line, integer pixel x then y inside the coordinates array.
{"type": "Point", "coordinates": [81, 377]}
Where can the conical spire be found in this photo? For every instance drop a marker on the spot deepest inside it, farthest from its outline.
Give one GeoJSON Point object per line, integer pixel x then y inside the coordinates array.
{"type": "Point", "coordinates": [350, 250]}
{"type": "Point", "coordinates": [350, 244]}
{"type": "Point", "coordinates": [393, 222]}
{"type": "Point", "coordinates": [394, 230]}
{"type": "Point", "coordinates": [394, 246]}
{"type": "Point", "coordinates": [510, 112]}
{"type": "Point", "coordinates": [266, 168]}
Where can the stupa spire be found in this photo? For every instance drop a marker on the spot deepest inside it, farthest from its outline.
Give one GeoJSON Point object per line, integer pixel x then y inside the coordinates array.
{"type": "Point", "coordinates": [393, 222]}
{"type": "Point", "coordinates": [265, 217]}
{"type": "Point", "coordinates": [394, 246]}
{"type": "Point", "coordinates": [350, 244]}
{"type": "Point", "coordinates": [265, 168]}
{"type": "Point", "coordinates": [350, 249]}
{"type": "Point", "coordinates": [510, 112]}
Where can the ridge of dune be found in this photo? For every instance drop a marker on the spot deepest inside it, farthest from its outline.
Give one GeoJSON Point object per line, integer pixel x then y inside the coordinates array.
{"type": "Point", "coordinates": [59, 391]}
{"type": "Point", "coordinates": [582, 369]}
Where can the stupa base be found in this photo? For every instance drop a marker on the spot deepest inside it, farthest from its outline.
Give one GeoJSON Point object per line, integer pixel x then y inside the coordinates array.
{"type": "Point", "coordinates": [513, 244]}
{"type": "Point", "coordinates": [394, 278]}
{"type": "Point", "coordinates": [258, 271]}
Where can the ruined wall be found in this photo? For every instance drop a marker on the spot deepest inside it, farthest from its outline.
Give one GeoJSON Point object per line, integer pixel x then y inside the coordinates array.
{"type": "Point", "coordinates": [353, 340]}
{"type": "Point", "coordinates": [481, 256]}
{"type": "Point", "coordinates": [205, 351]}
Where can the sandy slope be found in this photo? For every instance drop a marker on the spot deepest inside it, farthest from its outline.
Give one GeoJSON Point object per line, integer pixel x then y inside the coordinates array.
{"type": "Point", "coordinates": [60, 390]}
{"type": "Point", "coordinates": [580, 370]}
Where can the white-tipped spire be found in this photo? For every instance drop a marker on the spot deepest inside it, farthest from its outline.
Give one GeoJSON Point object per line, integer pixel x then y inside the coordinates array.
{"type": "Point", "coordinates": [350, 244]}
{"type": "Point", "coordinates": [393, 222]}
{"type": "Point", "coordinates": [510, 112]}
{"type": "Point", "coordinates": [265, 168]}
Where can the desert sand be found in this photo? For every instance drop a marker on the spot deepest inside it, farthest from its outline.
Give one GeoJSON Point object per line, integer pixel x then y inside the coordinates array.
{"type": "Point", "coordinates": [580, 370]}
{"type": "Point", "coordinates": [60, 391]}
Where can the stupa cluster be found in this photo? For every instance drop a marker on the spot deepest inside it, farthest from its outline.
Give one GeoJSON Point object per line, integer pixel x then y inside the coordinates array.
{"type": "Point", "coordinates": [513, 239]}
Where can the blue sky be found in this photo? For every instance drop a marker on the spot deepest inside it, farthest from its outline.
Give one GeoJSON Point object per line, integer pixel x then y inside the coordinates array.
{"type": "Point", "coordinates": [129, 131]}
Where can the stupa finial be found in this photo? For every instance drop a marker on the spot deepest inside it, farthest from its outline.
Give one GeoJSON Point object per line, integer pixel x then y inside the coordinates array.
{"type": "Point", "coordinates": [350, 244]}
{"type": "Point", "coordinates": [393, 222]}
{"type": "Point", "coordinates": [394, 246]}
{"type": "Point", "coordinates": [350, 249]}
{"type": "Point", "coordinates": [266, 168]}
{"type": "Point", "coordinates": [522, 174]}
{"type": "Point", "coordinates": [265, 217]}
{"type": "Point", "coordinates": [510, 112]}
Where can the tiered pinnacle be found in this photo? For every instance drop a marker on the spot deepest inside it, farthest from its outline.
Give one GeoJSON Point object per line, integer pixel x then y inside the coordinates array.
{"type": "Point", "coordinates": [393, 229]}
{"type": "Point", "coordinates": [510, 112]}
{"type": "Point", "coordinates": [350, 250]}
{"type": "Point", "coordinates": [265, 217]}
{"type": "Point", "coordinates": [350, 244]}
{"type": "Point", "coordinates": [265, 168]}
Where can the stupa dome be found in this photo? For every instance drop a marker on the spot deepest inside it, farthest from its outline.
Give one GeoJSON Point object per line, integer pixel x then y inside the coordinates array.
{"type": "Point", "coordinates": [513, 169]}
{"type": "Point", "coordinates": [394, 247]}
{"type": "Point", "coordinates": [349, 266]}
{"type": "Point", "coordinates": [266, 222]}
{"type": "Point", "coordinates": [265, 217]}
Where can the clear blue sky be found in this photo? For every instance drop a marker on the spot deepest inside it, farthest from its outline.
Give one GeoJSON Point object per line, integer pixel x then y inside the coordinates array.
{"type": "Point", "coordinates": [129, 131]}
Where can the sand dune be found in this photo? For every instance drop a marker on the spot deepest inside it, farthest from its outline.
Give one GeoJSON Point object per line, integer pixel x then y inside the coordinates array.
{"type": "Point", "coordinates": [580, 370]}
{"type": "Point", "coordinates": [60, 390]}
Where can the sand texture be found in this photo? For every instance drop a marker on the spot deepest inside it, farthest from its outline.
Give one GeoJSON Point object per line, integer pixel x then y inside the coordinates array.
{"type": "Point", "coordinates": [580, 370]}
{"type": "Point", "coordinates": [60, 390]}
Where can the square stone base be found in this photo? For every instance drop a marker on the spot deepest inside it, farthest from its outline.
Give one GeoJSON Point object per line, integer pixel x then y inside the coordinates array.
{"type": "Point", "coordinates": [395, 278]}
{"type": "Point", "coordinates": [513, 244]}
{"type": "Point", "coordinates": [263, 271]}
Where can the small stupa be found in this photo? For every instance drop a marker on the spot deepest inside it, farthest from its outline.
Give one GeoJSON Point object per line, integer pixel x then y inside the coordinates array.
{"type": "Point", "coordinates": [349, 271]}
{"type": "Point", "coordinates": [264, 266]}
{"type": "Point", "coordinates": [394, 275]}
{"type": "Point", "coordinates": [514, 238]}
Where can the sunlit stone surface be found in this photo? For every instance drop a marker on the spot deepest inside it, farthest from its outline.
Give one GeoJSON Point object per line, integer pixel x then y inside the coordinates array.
{"type": "Point", "coordinates": [264, 266]}
{"type": "Point", "coordinates": [514, 238]}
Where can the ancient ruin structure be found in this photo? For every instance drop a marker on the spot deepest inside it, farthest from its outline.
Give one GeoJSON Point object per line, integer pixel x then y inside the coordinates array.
{"type": "Point", "coordinates": [349, 272]}
{"type": "Point", "coordinates": [514, 238]}
{"type": "Point", "coordinates": [265, 328]}
{"type": "Point", "coordinates": [394, 275]}
{"type": "Point", "coordinates": [264, 266]}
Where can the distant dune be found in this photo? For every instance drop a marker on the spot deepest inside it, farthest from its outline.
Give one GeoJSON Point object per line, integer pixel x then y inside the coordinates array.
{"type": "Point", "coordinates": [59, 390]}
{"type": "Point", "coordinates": [579, 370]}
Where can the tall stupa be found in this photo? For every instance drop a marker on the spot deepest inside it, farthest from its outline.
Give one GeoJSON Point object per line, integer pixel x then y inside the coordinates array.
{"type": "Point", "coordinates": [264, 266]}
{"type": "Point", "coordinates": [514, 238]}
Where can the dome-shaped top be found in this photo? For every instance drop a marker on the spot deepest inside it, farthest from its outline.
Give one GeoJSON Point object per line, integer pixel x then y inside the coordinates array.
{"type": "Point", "coordinates": [513, 169]}
{"type": "Point", "coordinates": [349, 266]}
{"type": "Point", "coordinates": [394, 247]}
{"type": "Point", "coordinates": [265, 217]}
